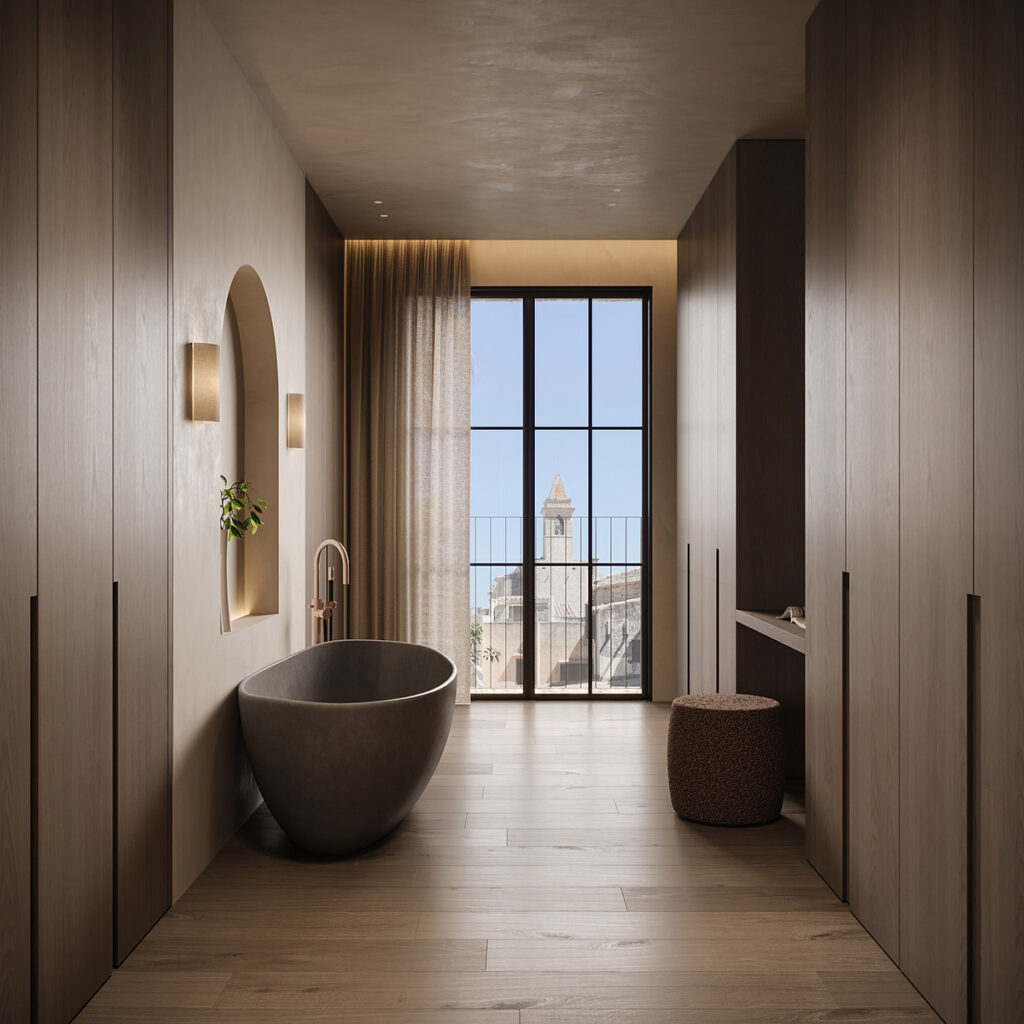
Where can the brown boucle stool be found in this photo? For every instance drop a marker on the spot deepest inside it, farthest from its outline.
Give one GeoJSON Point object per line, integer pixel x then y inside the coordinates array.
{"type": "Point", "coordinates": [725, 758]}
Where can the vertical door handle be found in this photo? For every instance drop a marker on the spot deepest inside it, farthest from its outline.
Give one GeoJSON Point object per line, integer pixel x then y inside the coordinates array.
{"type": "Point", "coordinates": [973, 803]}
{"type": "Point", "coordinates": [718, 624]}
{"type": "Point", "coordinates": [846, 733]}
{"type": "Point", "coordinates": [688, 605]}
{"type": "Point", "coordinates": [34, 803]}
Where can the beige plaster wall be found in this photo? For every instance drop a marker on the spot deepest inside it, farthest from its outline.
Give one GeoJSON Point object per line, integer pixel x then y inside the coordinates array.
{"type": "Point", "coordinates": [589, 263]}
{"type": "Point", "coordinates": [239, 198]}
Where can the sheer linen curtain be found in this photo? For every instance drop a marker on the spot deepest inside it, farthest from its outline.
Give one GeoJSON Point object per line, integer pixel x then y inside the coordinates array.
{"type": "Point", "coordinates": [408, 394]}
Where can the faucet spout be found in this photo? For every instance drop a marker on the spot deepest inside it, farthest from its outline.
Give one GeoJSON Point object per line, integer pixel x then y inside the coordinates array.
{"type": "Point", "coordinates": [323, 609]}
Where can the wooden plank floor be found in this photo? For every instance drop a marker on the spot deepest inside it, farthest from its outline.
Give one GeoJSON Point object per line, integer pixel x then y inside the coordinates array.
{"type": "Point", "coordinates": [541, 879]}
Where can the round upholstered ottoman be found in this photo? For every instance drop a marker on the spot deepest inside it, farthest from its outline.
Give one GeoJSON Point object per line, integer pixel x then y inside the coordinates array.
{"type": "Point", "coordinates": [725, 758]}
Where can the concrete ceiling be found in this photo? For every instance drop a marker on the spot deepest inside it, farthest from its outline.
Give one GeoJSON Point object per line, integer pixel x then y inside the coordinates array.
{"type": "Point", "coordinates": [516, 119]}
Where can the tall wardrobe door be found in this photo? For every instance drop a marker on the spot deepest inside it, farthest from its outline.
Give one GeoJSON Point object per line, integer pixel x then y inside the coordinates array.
{"type": "Point", "coordinates": [936, 518]}
{"type": "Point", "coordinates": [689, 477]}
{"type": "Point", "coordinates": [825, 437]}
{"type": "Point", "coordinates": [999, 515]}
{"type": "Point", "coordinates": [141, 465]}
{"type": "Point", "coordinates": [707, 676]}
{"type": "Point", "coordinates": [724, 206]}
{"type": "Point", "coordinates": [872, 438]}
{"type": "Point", "coordinates": [74, 750]}
{"type": "Point", "coordinates": [18, 472]}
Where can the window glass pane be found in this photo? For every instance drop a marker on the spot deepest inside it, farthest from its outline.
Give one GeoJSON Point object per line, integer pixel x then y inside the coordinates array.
{"type": "Point", "coordinates": [617, 629]}
{"type": "Point", "coordinates": [560, 490]}
{"type": "Point", "coordinates": [496, 629]}
{"type": "Point", "coordinates": [496, 330]}
{"type": "Point", "coordinates": [496, 495]}
{"type": "Point", "coordinates": [618, 495]}
{"type": "Point", "coordinates": [618, 362]}
{"type": "Point", "coordinates": [561, 362]}
{"type": "Point", "coordinates": [588, 497]}
{"type": "Point", "coordinates": [561, 629]}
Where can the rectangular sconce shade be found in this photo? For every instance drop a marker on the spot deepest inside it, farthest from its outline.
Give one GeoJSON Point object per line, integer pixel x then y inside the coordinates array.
{"type": "Point", "coordinates": [204, 382]}
{"type": "Point", "coordinates": [296, 421]}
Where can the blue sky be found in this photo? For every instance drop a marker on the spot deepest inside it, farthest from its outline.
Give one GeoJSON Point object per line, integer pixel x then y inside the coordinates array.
{"type": "Point", "coordinates": [561, 400]}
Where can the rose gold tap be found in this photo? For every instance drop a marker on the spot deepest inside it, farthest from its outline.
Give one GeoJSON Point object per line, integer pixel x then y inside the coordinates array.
{"type": "Point", "coordinates": [322, 609]}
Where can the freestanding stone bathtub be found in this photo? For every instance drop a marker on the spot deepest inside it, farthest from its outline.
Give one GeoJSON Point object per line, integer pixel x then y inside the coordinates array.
{"type": "Point", "coordinates": [344, 737]}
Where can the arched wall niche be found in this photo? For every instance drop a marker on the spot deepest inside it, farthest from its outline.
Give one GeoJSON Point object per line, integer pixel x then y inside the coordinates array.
{"type": "Point", "coordinates": [250, 439]}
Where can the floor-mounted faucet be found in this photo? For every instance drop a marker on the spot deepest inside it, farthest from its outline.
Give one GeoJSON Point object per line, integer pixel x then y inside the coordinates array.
{"type": "Point", "coordinates": [320, 628]}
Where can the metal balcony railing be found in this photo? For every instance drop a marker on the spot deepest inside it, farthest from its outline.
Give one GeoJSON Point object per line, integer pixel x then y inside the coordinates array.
{"type": "Point", "coordinates": [614, 540]}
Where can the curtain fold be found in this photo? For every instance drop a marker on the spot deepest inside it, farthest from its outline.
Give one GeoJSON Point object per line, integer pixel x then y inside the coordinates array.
{"type": "Point", "coordinates": [408, 403]}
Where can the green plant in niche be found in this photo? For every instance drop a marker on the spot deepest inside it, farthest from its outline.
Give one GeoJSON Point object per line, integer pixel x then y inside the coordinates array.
{"type": "Point", "coordinates": [240, 509]}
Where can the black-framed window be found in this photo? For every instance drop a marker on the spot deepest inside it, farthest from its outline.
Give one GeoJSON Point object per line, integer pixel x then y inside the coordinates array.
{"type": "Point", "coordinates": [560, 581]}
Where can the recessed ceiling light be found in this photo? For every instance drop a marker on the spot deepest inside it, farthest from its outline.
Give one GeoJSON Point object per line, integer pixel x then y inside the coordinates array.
{"type": "Point", "coordinates": [616, 189]}
{"type": "Point", "coordinates": [385, 214]}
{"type": "Point", "coordinates": [378, 202]}
{"type": "Point", "coordinates": [613, 204]}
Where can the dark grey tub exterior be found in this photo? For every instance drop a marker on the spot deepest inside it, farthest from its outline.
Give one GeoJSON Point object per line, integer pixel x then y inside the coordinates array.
{"type": "Point", "coordinates": [344, 737]}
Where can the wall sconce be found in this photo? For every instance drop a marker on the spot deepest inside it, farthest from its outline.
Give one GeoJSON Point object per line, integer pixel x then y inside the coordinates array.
{"type": "Point", "coordinates": [203, 382]}
{"type": "Point", "coordinates": [296, 421]}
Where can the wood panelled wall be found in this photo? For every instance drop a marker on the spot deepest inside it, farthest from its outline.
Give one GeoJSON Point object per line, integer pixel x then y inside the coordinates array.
{"type": "Point", "coordinates": [74, 723]}
{"type": "Point", "coordinates": [325, 424]}
{"type": "Point", "coordinates": [915, 172]}
{"type": "Point", "coordinates": [825, 468]}
{"type": "Point", "coordinates": [936, 274]}
{"type": "Point", "coordinates": [18, 353]}
{"type": "Point", "coordinates": [998, 720]}
{"type": "Point", "coordinates": [740, 291]}
{"type": "Point", "coordinates": [85, 778]}
{"type": "Point", "coordinates": [141, 465]}
{"type": "Point", "coordinates": [872, 461]}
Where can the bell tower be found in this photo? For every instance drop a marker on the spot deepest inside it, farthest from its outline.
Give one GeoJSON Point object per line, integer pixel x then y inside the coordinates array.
{"type": "Point", "coordinates": [557, 512]}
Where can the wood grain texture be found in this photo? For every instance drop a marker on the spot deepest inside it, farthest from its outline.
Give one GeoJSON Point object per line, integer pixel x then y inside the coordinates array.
{"type": "Point", "coordinates": [936, 501]}
{"type": "Point", "coordinates": [704, 666]}
{"type": "Point", "coordinates": [724, 510]}
{"type": "Point", "coordinates": [872, 463]}
{"type": "Point", "coordinates": [18, 472]}
{"type": "Point", "coordinates": [998, 797]}
{"type": "Point", "coordinates": [691, 399]}
{"type": "Point", "coordinates": [708, 212]}
{"type": "Point", "coordinates": [325, 445]}
{"type": "Point", "coordinates": [141, 466]}
{"type": "Point", "coordinates": [75, 772]}
{"type": "Point", "coordinates": [769, 374]}
{"type": "Point", "coordinates": [825, 433]}
{"type": "Point", "coordinates": [728, 1015]}
{"type": "Point", "coordinates": [596, 922]}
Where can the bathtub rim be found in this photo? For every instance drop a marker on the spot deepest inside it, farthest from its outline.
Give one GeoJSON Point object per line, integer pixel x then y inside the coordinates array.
{"type": "Point", "coordinates": [450, 681]}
